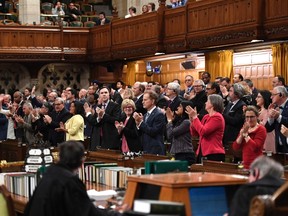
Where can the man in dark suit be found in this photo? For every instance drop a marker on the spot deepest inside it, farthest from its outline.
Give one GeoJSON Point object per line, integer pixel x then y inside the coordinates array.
{"type": "Point", "coordinates": [59, 114]}
{"type": "Point", "coordinates": [102, 20]}
{"type": "Point", "coordinates": [18, 101]}
{"type": "Point", "coordinates": [188, 86]}
{"type": "Point", "coordinates": [264, 178]}
{"type": "Point", "coordinates": [198, 96]}
{"type": "Point", "coordinates": [162, 99]}
{"type": "Point", "coordinates": [138, 90]}
{"type": "Point", "coordinates": [151, 126]}
{"type": "Point", "coordinates": [29, 96]}
{"type": "Point", "coordinates": [233, 114]}
{"type": "Point", "coordinates": [72, 12]}
{"type": "Point", "coordinates": [172, 92]}
{"type": "Point", "coordinates": [104, 132]}
{"type": "Point", "coordinates": [278, 116]}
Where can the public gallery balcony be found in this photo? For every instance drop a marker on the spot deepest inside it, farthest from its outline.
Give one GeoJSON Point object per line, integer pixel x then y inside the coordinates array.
{"type": "Point", "coordinates": [199, 25]}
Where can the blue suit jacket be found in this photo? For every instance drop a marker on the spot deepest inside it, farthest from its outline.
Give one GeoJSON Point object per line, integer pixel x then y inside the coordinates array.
{"type": "Point", "coordinates": [278, 135]}
{"type": "Point", "coordinates": [152, 132]}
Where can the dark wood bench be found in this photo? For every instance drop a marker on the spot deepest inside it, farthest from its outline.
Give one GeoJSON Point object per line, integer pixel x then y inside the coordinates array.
{"type": "Point", "coordinates": [271, 205]}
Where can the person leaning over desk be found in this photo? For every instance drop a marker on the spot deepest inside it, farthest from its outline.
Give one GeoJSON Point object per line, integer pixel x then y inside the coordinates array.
{"type": "Point", "coordinates": [60, 191]}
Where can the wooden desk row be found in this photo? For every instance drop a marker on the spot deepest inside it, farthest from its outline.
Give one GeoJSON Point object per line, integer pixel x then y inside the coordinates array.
{"type": "Point", "coordinates": [113, 156]}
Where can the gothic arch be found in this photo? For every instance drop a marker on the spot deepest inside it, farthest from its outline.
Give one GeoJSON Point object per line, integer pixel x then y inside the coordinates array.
{"type": "Point", "coordinates": [61, 75]}
{"type": "Point", "coordinates": [13, 76]}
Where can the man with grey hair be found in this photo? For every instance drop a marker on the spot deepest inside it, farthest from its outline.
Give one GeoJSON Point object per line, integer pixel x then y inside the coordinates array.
{"type": "Point", "coordinates": [264, 178]}
{"type": "Point", "coordinates": [172, 92]}
{"type": "Point", "coordinates": [59, 114]}
{"type": "Point", "coordinates": [198, 96]}
{"type": "Point", "coordinates": [233, 114]}
{"type": "Point", "coordinates": [25, 122]}
{"type": "Point", "coordinates": [278, 116]}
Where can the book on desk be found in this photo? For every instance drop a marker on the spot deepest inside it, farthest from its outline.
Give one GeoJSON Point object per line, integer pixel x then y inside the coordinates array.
{"type": "Point", "coordinates": [165, 166]}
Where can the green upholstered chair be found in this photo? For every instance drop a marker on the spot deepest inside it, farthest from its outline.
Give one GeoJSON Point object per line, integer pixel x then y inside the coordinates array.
{"type": "Point", "coordinates": [89, 24]}
{"type": "Point", "coordinates": [76, 24]}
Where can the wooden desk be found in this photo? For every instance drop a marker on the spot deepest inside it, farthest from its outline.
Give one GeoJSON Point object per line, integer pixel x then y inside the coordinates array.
{"type": "Point", "coordinates": [11, 150]}
{"type": "Point", "coordinates": [113, 156]}
{"type": "Point", "coordinates": [20, 201]}
{"type": "Point", "coordinates": [218, 167]}
{"type": "Point", "coordinates": [175, 187]}
{"type": "Point", "coordinates": [106, 156]}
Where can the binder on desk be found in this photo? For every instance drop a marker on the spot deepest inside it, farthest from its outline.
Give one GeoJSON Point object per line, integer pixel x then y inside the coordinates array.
{"type": "Point", "coordinates": [165, 166]}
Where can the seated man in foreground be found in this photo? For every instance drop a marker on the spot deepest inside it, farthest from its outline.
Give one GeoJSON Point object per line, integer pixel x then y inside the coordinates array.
{"type": "Point", "coordinates": [265, 178]}
{"type": "Point", "coordinates": [61, 192]}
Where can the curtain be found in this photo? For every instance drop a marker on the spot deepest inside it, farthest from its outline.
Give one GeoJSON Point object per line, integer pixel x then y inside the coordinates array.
{"type": "Point", "coordinates": [212, 64]}
{"type": "Point", "coordinates": [280, 59]}
{"type": "Point", "coordinates": [219, 63]}
{"type": "Point", "coordinates": [226, 63]}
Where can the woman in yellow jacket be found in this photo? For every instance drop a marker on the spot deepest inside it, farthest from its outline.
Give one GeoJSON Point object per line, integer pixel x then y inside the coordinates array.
{"type": "Point", "coordinates": [74, 127]}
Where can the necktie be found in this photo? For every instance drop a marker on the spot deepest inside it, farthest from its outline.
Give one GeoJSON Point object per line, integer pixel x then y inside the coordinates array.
{"type": "Point", "coordinates": [147, 116]}
{"type": "Point", "coordinates": [103, 106]}
{"type": "Point", "coordinates": [281, 109]}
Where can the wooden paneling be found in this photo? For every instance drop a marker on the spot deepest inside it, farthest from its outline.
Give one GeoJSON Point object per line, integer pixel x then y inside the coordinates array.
{"type": "Point", "coordinates": [222, 22]}
{"type": "Point", "coordinates": [99, 44]}
{"type": "Point", "coordinates": [198, 25]}
{"type": "Point", "coordinates": [137, 36]}
{"type": "Point", "coordinates": [276, 19]}
{"type": "Point", "coordinates": [29, 37]}
{"type": "Point", "coordinates": [175, 22]}
{"type": "Point", "coordinates": [39, 42]}
{"type": "Point", "coordinates": [75, 38]}
{"type": "Point", "coordinates": [255, 65]}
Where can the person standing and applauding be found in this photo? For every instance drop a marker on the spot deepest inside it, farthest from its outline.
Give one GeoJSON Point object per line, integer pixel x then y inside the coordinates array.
{"type": "Point", "coordinates": [74, 126]}
{"type": "Point", "coordinates": [131, 142]}
{"type": "Point", "coordinates": [278, 116]}
{"type": "Point", "coordinates": [151, 126]}
{"type": "Point", "coordinates": [251, 137]}
{"type": "Point", "coordinates": [210, 129]}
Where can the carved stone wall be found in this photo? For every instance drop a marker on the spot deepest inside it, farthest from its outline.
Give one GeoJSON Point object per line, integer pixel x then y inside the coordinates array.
{"type": "Point", "coordinates": [55, 75]}
{"type": "Point", "coordinates": [59, 76]}
{"type": "Point", "coordinates": [13, 76]}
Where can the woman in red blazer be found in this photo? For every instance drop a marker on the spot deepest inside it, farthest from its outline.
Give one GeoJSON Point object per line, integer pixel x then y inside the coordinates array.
{"type": "Point", "coordinates": [251, 137]}
{"type": "Point", "coordinates": [210, 129]}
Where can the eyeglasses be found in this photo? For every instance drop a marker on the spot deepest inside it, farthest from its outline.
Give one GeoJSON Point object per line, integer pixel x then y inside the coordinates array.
{"type": "Point", "coordinates": [208, 88]}
{"type": "Point", "coordinates": [188, 80]}
{"type": "Point", "coordinates": [57, 104]}
{"type": "Point", "coordinates": [272, 95]}
{"type": "Point", "coordinates": [250, 117]}
{"type": "Point", "coordinates": [197, 86]}
{"type": "Point", "coordinates": [128, 107]}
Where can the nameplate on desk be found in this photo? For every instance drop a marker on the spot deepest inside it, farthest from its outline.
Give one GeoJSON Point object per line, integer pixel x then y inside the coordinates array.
{"type": "Point", "coordinates": [32, 168]}
{"type": "Point", "coordinates": [48, 159]}
{"type": "Point", "coordinates": [34, 160]}
{"type": "Point", "coordinates": [35, 152]}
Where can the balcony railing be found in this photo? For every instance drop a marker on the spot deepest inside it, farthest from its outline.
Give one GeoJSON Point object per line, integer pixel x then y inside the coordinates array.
{"type": "Point", "coordinates": [198, 25]}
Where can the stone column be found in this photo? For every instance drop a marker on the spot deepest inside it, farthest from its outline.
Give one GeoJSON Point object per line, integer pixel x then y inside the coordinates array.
{"type": "Point", "coordinates": [29, 11]}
